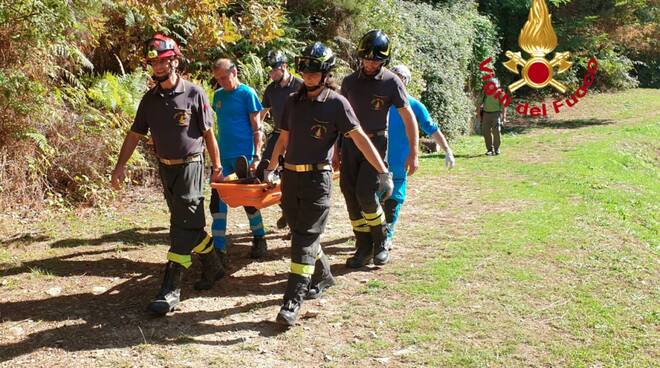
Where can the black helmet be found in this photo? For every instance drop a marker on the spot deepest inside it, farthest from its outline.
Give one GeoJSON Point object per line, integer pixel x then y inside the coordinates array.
{"type": "Point", "coordinates": [375, 45]}
{"type": "Point", "coordinates": [275, 58]}
{"type": "Point", "coordinates": [315, 58]}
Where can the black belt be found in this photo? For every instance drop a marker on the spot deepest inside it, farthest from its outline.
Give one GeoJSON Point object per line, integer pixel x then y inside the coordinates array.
{"type": "Point", "coordinates": [379, 133]}
{"type": "Point", "coordinates": [196, 157]}
{"type": "Point", "coordinates": [307, 167]}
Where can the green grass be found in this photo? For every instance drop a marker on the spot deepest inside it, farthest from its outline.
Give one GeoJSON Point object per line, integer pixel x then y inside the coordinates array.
{"type": "Point", "coordinates": [5, 256]}
{"type": "Point", "coordinates": [375, 286]}
{"type": "Point", "coordinates": [561, 266]}
{"type": "Point", "coordinates": [40, 273]}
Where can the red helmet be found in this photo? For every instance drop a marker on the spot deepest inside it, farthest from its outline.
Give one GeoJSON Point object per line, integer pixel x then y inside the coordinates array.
{"type": "Point", "coordinates": [161, 47]}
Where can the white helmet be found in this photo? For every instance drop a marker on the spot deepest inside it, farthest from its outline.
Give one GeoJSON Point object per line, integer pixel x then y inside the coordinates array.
{"type": "Point", "coordinates": [403, 72]}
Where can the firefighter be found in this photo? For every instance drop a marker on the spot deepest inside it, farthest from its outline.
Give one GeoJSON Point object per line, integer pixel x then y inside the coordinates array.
{"type": "Point", "coordinates": [371, 90]}
{"type": "Point", "coordinates": [282, 85]}
{"type": "Point", "coordinates": [397, 150]}
{"type": "Point", "coordinates": [313, 119]}
{"type": "Point", "coordinates": [180, 119]}
{"type": "Point", "coordinates": [240, 137]}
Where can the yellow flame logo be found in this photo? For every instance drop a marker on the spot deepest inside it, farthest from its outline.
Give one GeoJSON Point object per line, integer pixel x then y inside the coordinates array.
{"type": "Point", "coordinates": [538, 39]}
{"type": "Point", "coordinates": [318, 130]}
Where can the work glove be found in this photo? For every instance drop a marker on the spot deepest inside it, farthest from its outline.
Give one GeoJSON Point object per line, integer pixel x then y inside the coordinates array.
{"type": "Point", "coordinates": [271, 177]}
{"type": "Point", "coordinates": [449, 159]}
{"type": "Point", "coordinates": [385, 185]}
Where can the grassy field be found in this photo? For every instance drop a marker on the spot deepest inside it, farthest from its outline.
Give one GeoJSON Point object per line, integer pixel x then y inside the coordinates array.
{"type": "Point", "coordinates": [545, 256]}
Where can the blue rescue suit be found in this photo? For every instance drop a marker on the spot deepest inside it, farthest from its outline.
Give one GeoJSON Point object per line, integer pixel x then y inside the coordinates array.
{"type": "Point", "coordinates": [397, 151]}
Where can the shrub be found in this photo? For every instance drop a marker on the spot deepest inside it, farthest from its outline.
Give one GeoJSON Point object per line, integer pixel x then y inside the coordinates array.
{"type": "Point", "coordinates": [119, 93]}
{"type": "Point", "coordinates": [443, 47]}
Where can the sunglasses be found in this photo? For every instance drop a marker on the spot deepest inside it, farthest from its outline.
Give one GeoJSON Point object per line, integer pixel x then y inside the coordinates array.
{"type": "Point", "coordinates": [304, 64]}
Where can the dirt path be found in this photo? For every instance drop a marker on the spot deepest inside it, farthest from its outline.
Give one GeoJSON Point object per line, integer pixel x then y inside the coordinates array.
{"type": "Point", "coordinates": [79, 300]}
{"type": "Point", "coordinates": [74, 288]}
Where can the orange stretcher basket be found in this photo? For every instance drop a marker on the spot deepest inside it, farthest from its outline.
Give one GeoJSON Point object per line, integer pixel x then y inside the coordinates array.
{"type": "Point", "coordinates": [250, 195]}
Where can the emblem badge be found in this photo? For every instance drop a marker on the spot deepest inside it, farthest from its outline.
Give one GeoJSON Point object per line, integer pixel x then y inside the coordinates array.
{"type": "Point", "coordinates": [181, 118]}
{"type": "Point", "coordinates": [319, 129]}
{"type": "Point", "coordinates": [538, 39]}
{"type": "Point", "coordinates": [377, 102]}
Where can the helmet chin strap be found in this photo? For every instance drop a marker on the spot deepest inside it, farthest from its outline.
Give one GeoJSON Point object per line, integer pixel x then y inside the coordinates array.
{"type": "Point", "coordinates": [321, 83]}
{"type": "Point", "coordinates": [374, 74]}
{"type": "Point", "coordinates": [165, 77]}
{"type": "Point", "coordinates": [282, 77]}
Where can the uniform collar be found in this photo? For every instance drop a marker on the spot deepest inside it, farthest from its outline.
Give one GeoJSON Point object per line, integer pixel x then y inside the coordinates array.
{"type": "Point", "coordinates": [323, 96]}
{"type": "Point", "coordinates": [378, 76]}
{"type": "Point", "coordinates": [291, 78]}
{"type": "Point", "coordinates": [179, 88]}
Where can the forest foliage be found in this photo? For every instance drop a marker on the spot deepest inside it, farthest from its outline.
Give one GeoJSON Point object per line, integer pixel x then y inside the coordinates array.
{"type": "Point", "coordinates": [72, 71]}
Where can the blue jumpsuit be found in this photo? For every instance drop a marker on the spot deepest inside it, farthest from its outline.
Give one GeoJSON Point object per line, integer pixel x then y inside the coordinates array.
{"type": "Point", "coordinates": [397, 152]}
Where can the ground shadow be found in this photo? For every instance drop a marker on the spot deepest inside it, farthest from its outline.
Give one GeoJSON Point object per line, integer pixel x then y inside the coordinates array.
{"type": "Point", "coordinates": [522, 126]}
{"type": "Point", "coordinates": [463, 156]}
{"type": "Point", "coordinates": [121, 309]}
{"type": "Point", "coordinates": [129, 237]}
{"type": "Point", "coordinates": [575, 124]}
{"type": "Point", "coordinates": [27, 238]}
{"type": "Point", "coordinates": [99, 317]}
{"type": "Point", "coordinates": [115, 264]}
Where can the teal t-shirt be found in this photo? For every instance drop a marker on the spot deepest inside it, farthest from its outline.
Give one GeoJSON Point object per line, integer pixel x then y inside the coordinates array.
{"type": "Point", "coordinates": [233, 109]}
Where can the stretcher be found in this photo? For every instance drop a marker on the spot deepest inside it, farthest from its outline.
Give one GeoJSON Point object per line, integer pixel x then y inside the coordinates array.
{"type": "Point", "coordinates": [237, 194]}
{"type": "Point", "coordinates": [247, 193]}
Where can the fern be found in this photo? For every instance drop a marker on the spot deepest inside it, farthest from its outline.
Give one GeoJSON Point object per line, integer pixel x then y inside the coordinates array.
{"type": "Point", "coordinates": [252, 73]}
{"type": "Point", "coordinates": [119, 94]}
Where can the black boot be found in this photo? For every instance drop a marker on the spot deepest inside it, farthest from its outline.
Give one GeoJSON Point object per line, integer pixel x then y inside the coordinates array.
{"type": "Point", "coordinates": [281, 222]}
{"type": "Point", "coordinates": [381, 253]}
{"type": "Point", "coordinates": [321, 279]}
{"type": "Point", "coordinates": [212, 270]}
{"type": "Point", "coordinates": [259, 171]}
{"type": "Point", "coordinates": [170, 292]}
{"type": "Point", "coordinates": [296, 289]}
{"type": "Point", "coordinates": [223, 257]}
{"type": "Point", "coordinates": [241, 167]}
{"type": "Point", "coordinates": [259, 247]}
{"type": "Point", "coordinates": [363, 252]}
{"type": "Point", "coordinates": [381, 247]}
